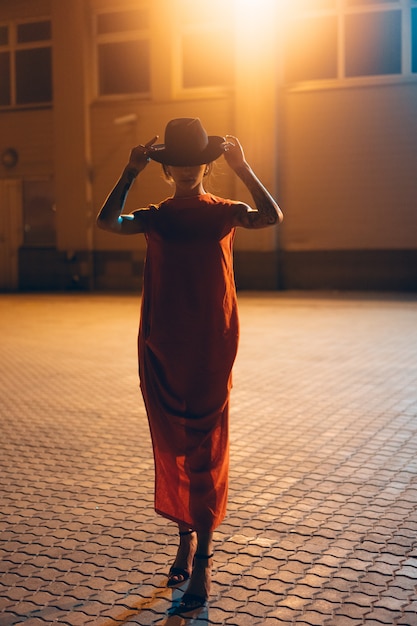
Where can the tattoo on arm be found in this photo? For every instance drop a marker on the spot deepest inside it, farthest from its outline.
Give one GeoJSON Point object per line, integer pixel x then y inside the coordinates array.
{"type": "Point", "coordinates": [131, 175]}
{"type": "Point", "coordinates": [123, 195]}
{"type": "Point", "coordinates": [268, 211]}
{"type": "Point", "coordinates": [109, 217]}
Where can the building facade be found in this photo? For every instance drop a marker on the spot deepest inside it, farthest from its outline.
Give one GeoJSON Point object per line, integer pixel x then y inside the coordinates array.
{"type": "Point", "coordinates": [321, 93]}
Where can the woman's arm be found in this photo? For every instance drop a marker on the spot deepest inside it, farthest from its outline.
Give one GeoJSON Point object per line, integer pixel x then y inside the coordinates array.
{"type": "Point", "coordinates": [110, 216]}
{"type": "Point", "coordinates": [267, 211]}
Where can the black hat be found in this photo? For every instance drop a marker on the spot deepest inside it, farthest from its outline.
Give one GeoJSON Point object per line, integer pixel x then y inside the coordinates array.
{"type": "Point", "coordinates": [187, 143]}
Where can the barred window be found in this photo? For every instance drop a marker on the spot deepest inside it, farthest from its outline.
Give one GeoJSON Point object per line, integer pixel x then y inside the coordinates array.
{"type": "Point", "coordinates": [25, 63]}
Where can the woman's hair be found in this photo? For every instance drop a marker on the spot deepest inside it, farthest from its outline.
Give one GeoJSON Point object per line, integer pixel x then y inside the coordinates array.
{"type": "Point", "coordinates": [168, 179]}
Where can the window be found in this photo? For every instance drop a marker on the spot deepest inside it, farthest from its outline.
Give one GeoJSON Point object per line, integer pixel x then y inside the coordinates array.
{"type": "Point", "coordinates": [4, 35]}
{"type": "Point", "coordinates": [5, 82]}
{"type": "Point", "coordinates": [25, 63]}
{"type": "Point", "coordinates": [206, 44]}
{"type": "Point", "coordinates": [414, 40]}
{"type": "Point", "coordinates": [34, 31]}
{"type": "Point", "coordinates": [373, 43]}
{"type": "Point", "coordinates": [123, 52]}
{"type": "Point", "coordinates": [347, 39]}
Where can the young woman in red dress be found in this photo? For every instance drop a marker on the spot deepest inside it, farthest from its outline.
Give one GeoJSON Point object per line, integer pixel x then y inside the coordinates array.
{"type": "Point", "coordinates": [189, 331]}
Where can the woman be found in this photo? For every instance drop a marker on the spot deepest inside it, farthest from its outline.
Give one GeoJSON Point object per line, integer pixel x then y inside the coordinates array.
{"type": "Point", "coordinates": [188, 332]}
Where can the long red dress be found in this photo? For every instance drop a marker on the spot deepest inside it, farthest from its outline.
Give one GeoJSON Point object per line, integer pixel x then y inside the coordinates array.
{"type": "Point", "coordinates": [188, 340]}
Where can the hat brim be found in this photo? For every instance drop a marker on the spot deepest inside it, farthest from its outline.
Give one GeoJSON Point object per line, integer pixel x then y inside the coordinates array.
{"type": "Point", "coordinates": [179, 157]}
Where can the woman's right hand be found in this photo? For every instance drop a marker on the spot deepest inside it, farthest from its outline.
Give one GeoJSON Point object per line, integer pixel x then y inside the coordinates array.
{"type": "Point", "coordinates": [139, 155]}
{"type": "Point", "coordinates": [233, 152]}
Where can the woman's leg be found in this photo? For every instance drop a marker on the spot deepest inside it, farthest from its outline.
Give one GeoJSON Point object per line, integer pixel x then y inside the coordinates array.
{"type": "Point", "coordinates": [200, 581]}
{"type": "Point", "coordinates": [183, 564]}
{"type": "Point", "coordinates": [205, 543]}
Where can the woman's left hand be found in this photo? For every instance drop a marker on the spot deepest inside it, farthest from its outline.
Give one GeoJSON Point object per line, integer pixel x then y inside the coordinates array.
{"type": "Point", "coordinates": [233, 152]}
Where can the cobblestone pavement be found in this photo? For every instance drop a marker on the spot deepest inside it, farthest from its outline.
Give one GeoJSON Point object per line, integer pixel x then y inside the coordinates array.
{"type": "Point", "coordinates": [322, 522]}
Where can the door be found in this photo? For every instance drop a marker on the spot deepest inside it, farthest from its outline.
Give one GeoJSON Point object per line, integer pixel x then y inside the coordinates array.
{"type": "Point", "coordinates": [10, 232]}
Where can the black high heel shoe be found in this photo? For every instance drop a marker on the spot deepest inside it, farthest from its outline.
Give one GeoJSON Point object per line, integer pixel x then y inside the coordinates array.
{"type": "Point", "coordinates": [177, 576]}
{"type": "Point", "coordinates": [192, 603]}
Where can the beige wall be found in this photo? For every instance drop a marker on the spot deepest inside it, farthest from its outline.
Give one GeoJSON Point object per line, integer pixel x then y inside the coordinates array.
{"type": "Point", "coordinates": [11, 9]}
{"type": "Point", "coordinates": [341, 160]}
{"type": "Point", "coordinates": [349, 166]}
{"type": "Point", "coordinates": [72, 94]}
{"type": "Point", "coordinates": [31, 134]}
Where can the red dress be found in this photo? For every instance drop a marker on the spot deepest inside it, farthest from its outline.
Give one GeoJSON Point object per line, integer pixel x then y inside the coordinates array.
{"type": "Point", "coordinates": [188, 340]}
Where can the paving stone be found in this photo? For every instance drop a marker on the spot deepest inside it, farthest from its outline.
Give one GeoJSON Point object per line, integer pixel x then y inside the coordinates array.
{"type": "Point", "coordinates": [217, 616]}
{"type": "Point", "coordinates": [239, 620]}
{"type": "Point", "coordinates": [266, 598]}
{"type": "Point", "coordinates": [391, 603]}
{"type": "Point", "coordinates": [24, 607]}
{"type": "Point", "coordinates": [343, 620]}
{"type": "Point", "coordinates": [277, 586]}
{"type": "Point", "coordinates": [6, 604]}
{"type": "Point", "coordinates": [381, 615]}
{"type": "Point", "coordinates": [284, 614]}
{"type": "Point", "coordinates": [227, 604]}
{"type": "Point", "coordinates": [75, 618]}
{"type": "Point", "coordinates": [313, 618]}
{"type": "Point", "coordinates": [407, 619]}
{"type": "Point", "coordinates": [15, 594]}
{"type": "Point", "coordinates": [313, 581]}
{"type": "Point", "coordinates": [293, 601]}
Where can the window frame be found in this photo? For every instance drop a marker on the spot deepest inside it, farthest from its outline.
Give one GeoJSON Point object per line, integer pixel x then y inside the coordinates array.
{"type": "Point", "coordinates": [341, 10]}
{"type": "Point", "coordinates": [12, 47]}
{"type": "Point", "coordinates": [139, 34]}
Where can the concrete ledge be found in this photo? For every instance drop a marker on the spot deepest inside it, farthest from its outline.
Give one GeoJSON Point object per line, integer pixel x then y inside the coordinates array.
{"type": "Point", "coordinates": [256, 270]}
{"type": "Point", "coordinates": [118, 270]}
{"type": "Point", "coordinates": [49, 269]}
{"type": "Point", "coordinates": [385, 270]}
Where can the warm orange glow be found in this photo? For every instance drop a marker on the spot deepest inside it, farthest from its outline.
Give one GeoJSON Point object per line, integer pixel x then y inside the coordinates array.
{"type": "Point", "coordinates": [258, 20]}
{"type": "Point", "coordinates": [263, 8]}
{"type": "Point", "coordinates": [206, 12]}
{"type": "Point", "coordinates": [258, 25]}
{"type": "Point", "coordinates": [224, 41]}
{"type": "Point", "coordinates": [232, 13]}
